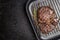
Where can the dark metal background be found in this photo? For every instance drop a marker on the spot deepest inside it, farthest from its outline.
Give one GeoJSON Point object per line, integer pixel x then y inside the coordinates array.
{"type": "Point", "coordinates": [14, 22]}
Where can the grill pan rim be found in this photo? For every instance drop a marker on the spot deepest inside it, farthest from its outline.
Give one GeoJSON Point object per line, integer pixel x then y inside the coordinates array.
{"type": "Point", "coordinates": [42, 37]}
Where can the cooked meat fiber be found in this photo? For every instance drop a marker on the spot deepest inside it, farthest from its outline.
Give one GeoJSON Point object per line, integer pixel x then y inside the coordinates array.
{"type": "Point", "coordinates": [46, 28]}
{"type": "Point", "coordinates": [46, 17]}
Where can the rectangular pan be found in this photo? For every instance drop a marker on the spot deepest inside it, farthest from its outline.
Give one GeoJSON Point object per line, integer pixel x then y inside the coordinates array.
{"type": "Point", "coordinates": [35, 4]}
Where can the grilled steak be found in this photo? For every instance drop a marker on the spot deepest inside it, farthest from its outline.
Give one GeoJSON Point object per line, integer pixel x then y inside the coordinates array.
{"type": "Point", "coordinates": [46, 19]}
